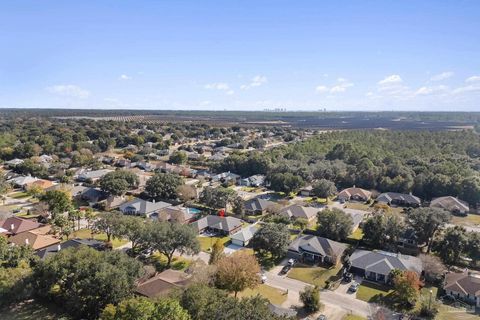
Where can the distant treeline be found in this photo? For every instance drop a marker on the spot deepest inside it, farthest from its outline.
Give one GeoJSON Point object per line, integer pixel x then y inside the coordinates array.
{"type": "Point", "coordinates": [429, 164]}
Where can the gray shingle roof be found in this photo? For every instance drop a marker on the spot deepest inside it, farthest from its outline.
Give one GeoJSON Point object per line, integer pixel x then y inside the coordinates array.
{"type": "Point", "coordinates": [258, 204]}
{"type": "Point", "coordinates": [450, 204]}
{"type": "Point", "coordinates": [404, 197]}
{"type": "Point", "coordinates": [216, 222]}
{"type": "Point", "coordinates": [318, 245]}
{"type": "Point", "coordinates": [296, 211]}
{"type": "Point", "coordinates": [466, 283]}
{"type": "Point", "coordinates": [143, 207]}
{"type": "Point", "coordinates": [384, 262]}
{"type": "Point", "coordinates": [245, 234]}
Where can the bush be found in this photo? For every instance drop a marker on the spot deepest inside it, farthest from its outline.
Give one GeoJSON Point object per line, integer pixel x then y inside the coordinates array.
{"type": "Point", "coordinates": [310, 297]}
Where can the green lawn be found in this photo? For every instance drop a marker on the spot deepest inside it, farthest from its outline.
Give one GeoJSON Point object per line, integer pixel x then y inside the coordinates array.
{"type": "Point", "coordinates": [449, 313]}
{"type": "Point", "coordinates": [373, 292]}
{"type": "Point", "coordinates": [178, 263]}
{"type": "Point", "coordinates": [469, 220]}
{"type": "Point", "coordinates": [87, 234]}
{"type": "Point", "coordinates": [357, 234]}
{"type": "Point", "coordinates": [274, 295]}
{"type": "Point", "coordinates": [31, 310]}
{"type": "Point", "coordinates": [207, 242]}
{"type": "Point", "coordinates": [19, 195]}
{"type": "Point", "coordinates": [314, 275]}
{"type": "Point", "coordinates": [358, 206]}
{"type": "Point", "coordinates": [353, 317]}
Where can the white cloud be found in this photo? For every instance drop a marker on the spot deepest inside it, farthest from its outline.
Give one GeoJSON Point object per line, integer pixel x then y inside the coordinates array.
{"type": "Point", "coordinates": [321, 89]}
{"type": "Point", "coordinates": [442, 76]}
{"type": "Point", "coordinates": [391, 80]}
{"type": "Point", "coordinates": [369, 94]}
{"type": "Point", "coordinates": [217, 86]}
{"type": "Point", "coordinates": [69, 90]}
{"type": "Point", "coordinates": [473, 79]}
{"type": "Point", "coordinates": [466, 89]}
{"type": "Point", "coordinates": [341, 86]}
{"type": "Point", "coordinates": [256, 81]}
{"type": "Point", "coordinates": [230, 92]}
{"type": "Point", "coordinates": [423, 91]}
{"type": "Point", "coordinates": [124, 77]}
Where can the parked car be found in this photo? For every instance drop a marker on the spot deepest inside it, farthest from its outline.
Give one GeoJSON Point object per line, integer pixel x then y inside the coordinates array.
{"type": "Point", "coordinates": [263, 278]}
{"type": "Point", "coordinates": [285, 269]}
{"type": "Point", "coordinates": [292, 262]}
{"type": "Point", "coordinates": [348, 277]}
{"type": "Point", "coordinates": [354, 287]}
{"type": "Point", "coordinates": [322, 317]}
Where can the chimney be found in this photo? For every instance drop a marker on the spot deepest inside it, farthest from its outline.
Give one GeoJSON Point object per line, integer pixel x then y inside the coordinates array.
{"type": "Point", "coordinates": [12, 226]}
{"type": "Point", "coordinates": [153, 200]}
{"type": "Point", "coordinates": [59, 247]}
{"type": "Point", "coordinates": [26, 241]}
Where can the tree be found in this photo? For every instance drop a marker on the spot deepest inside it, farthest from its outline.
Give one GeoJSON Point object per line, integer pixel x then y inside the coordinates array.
{"type": "Point", "coordinates": [217, 252]}
{"type": "Point", "coordinates": [452, 244]}
{"type": "Point", "coordinates": [237, 272]}
{"type": "Point", "coordinates": [407, 287]}
{"type": "Point", "coordinates": [163, 186]}
{"type": "Point", "coordinates": [324, 189]}
{"type": "Point", "coordinates": [34, 191]}
{"type": "Point", "coordinates": [383, 230]}
{"type": "Point", "coordinates": [285, 182]}
{"type": "Point", "coordinates": [334, 224]}
{"type": "Point", "coordinates": [118, 182]}
{"type": "Point", "coordinates": [186, 192]}
{"type": "Point", "coordinates": [141, 308]}
{"type": "Point", "coordinates": [432, 266]}
{"type": "Point", "coordinates": [133, 229]}
{"type": "Point", "coordinates": [84, 280]}
{"type": "Point", "coordinates": [178, 157]}
{"type": "Point", "coordinates": [58, 202]}
{"type": "Point", "coordinates": [238, 206]}
{"type": "Point", "coordinates": [217, 197]}
{"type": "Point", "coordinates": [426, 222]}
{"type": "Point", "coordinates": [271, 238]}
{"type": "Point", "coordinates": [169, 237]}
{"type": "Point", "coordinates": [301, 223]}
{"type": "Point", "coordinates": [310, 297]}
{"type": "Point", "coordinates": [110, 224]}
{"type": "Point", "coordinates": [473, 247]}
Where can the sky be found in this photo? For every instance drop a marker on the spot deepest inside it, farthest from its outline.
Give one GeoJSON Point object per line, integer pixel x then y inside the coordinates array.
{"type": "Point", "coordinates": [418, 55]}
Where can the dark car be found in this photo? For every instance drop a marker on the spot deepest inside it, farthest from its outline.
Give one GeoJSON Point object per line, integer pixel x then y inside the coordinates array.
{"type": "Point", "coordinates": [285, 269]}
{"type": "Point", "coordinates": [348, 277]}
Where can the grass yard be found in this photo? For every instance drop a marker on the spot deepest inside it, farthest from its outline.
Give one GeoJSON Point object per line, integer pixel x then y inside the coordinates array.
{"type": "Point", "coordinates": [31, 310]}
{"type": "Point", "coordinates": [207, 242]}
{"type": "Point", "coordinates": [274, 295]}
{"type": "Point", "coordinates": [358, 206]}
{"type": "Point", "coordinates": [448, 313]}
{"type": "Point", "coordinates": [470, 220]}
{"type": "Point", "coordinates": [373, 292]}
{"type": "Point", "coordinates": [357, 234]}
{"type": "Point", "coordinates": [353, 317]}
{"type": "Point", "coordinates": [178, 263]}
{"type": "Point", "coordinates": [19, 195]}
{"type": "Point", "coordinates": [314, 275]}
{"type": "Point", "coordinates": [86, 234]}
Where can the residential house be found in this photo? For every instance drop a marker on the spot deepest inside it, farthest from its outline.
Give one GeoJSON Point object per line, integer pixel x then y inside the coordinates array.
{"type": "Point", "coordinates": [257, 206]}
{"type": "Point", "coordinates": [306, 191]}
{"type": "Point", "coordinates": [256, 180]}
{"type": "Point", "coordinates": [451, 204]}
{"type": "Point", "coordinates": [14, 225]}
{"type": "Point", "coordinates": [464, 286]}
{"type": "Point", "coordinates": [14, 162]}
{"type": "Point", "coordinates": [243, 237]}
{"type": "Point", "coordinates": [22, 181]}
{"type": "Point", "coordinates": [217, 224]}
{"type": "Point", "coordinates": [41, 183]}
{"type": "Point", "coordinates": [140, 207]}
{"type": "Point", "coordinates": [123, 163]}
{"type": "Point", "coordinates": [399, 199]}
{"type": "Point", "coordinates": [354, 193]}
{"type": "Point", "coordinates": [93, 195]}
{"type": "Point", "coordinates": [226, 177]}
{"type": "Point", "coordinates": [72, 243]}
{"type": "Point", "coordinates": [408, 242]}
{"type": "Point", "coordinates": [378, 265]}
{"type": "Point", "coordinates": [218, 157]}
{"type": "Point", "coordinates": [93, 176]}
{"type": "Point", "coordinates": [34, 240]}
{"type": "Point", "coordinates": [163, 283]}
{"type": "Point", "coordinates": [113, 202]}
{"type": "Point", "coordinates": [313, 249]}
{"type": "Point", "coordinates": [296, 211]}
{"type": "Point", "coordinates": [177, 214]}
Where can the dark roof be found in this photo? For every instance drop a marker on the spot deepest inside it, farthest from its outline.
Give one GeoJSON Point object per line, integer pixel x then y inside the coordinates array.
{"type": "Point", "coordinates": [144, 207]}
{"type": "Point", "coordinates": [73, 243]}
{"type": "Point", "coordinates": [94, 194]}
{"type": "Point", "coordinates": [317, 245]}
{"type": "Point", "coordinates": [465, 282]}
{"type": "Point", "coordinates": [404, 197]}
{"type": "Point", "coordinates": [384, 262]}
{"type": "Point", "coordinates": [258, 204]}
{"type": "Point", "coordinates": [216, 222]}
{"type": "Point", "coordinates": [19, 225]}
{"type": "Point", "coordinates": [163, 283]}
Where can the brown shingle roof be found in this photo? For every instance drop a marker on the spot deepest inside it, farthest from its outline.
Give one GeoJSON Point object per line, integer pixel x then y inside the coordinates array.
{"type": "Point", "coordinates": [163, 283]}
{"type": "Point", "coordinates": [19, 225]}
{"type": "Point", "coordinates": [36, 241]}
{"type": "Point", "coordinates": [466, 283]}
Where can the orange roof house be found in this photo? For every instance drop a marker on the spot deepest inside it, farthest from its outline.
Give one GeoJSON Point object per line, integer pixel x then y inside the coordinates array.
{"type": "Point", "coordinates": [34, 240]}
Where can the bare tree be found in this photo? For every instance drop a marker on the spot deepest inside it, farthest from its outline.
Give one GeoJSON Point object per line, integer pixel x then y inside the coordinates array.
{"type": "Point", "coordinates": [433, 266]}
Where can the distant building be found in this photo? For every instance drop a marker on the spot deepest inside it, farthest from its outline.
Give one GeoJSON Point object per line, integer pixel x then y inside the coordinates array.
{"type": "Point", "coordinates": [354, 193]}
{"type": "Point", "coordinates": [217, 224]}
{"type": "Point", "coordinates": [142, 207]}
{"type": "Point", "coordinates": [163, 283]}
{"type": "Point", "coordinates": [296, 211]}
{"type": "Point", "coordinates": [399, 199]}
{"type": "Point", "coordinates": [242, 238]}
{"type": "Point", "coordinates": [93, 176]}
{"type": "Point", "coordinates": [313, 249]}
{"type": "Point", "coordinates": [464, 286]}
{"type": "Point", "coordinates": [257, 206]}
{"type": "Point", "coordinates": [451, 204]}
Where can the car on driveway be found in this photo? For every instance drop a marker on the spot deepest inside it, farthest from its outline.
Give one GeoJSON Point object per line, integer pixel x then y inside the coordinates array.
{"type": "Point", "coordinates": [263, 278]}
{"type": "Point", "coordinates": [291, 262]}
{"type": "Point", "coordinates": [354, 287]}
{"type": "Point", "coordinates": [322, 317]}
{"type": "Point", "coordinates": [348, 277]}
{"type": "Point", "coordinates": [285, 269]}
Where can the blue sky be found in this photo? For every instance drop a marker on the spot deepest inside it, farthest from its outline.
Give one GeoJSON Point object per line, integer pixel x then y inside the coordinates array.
{"type": "Point", "coordinates": [241, 54]}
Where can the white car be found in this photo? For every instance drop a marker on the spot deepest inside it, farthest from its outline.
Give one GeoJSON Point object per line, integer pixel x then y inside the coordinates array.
{"type": "Point", "coordinates": [263, 278]}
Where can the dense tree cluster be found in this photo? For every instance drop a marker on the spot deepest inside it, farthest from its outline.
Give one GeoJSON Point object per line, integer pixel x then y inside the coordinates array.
{"type": "Point", "coordinates": [118, 182]}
